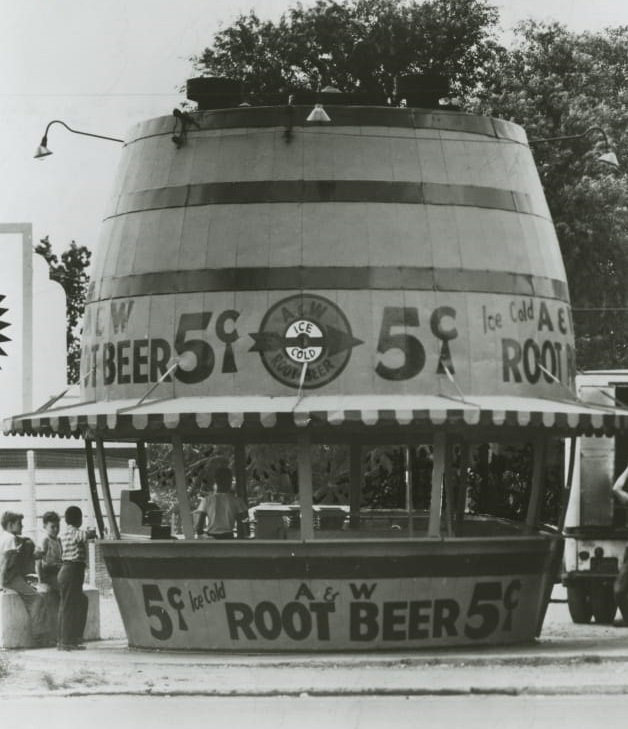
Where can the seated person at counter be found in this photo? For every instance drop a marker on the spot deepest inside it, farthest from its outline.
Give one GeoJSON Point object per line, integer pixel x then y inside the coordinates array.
{"type": "Point", "coordinates": [220, 510]}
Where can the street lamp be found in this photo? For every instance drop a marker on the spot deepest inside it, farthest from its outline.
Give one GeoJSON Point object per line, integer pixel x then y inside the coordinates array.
{"type": "Point", "coordinates": [43, 151]}
{"type": "Point", "coordinates": [609, 156]}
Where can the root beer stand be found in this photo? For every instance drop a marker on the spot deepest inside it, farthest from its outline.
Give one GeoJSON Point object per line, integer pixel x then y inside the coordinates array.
{"type": "Point", "coordinates": [391, 276]}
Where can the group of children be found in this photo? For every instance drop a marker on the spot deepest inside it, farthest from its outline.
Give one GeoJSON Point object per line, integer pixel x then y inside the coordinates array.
{"type": "Point", "coordinates": [60, 605]}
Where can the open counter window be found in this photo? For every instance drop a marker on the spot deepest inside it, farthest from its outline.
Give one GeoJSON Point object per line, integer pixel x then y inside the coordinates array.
{"type": "Point", "coordinates": [441, 488]}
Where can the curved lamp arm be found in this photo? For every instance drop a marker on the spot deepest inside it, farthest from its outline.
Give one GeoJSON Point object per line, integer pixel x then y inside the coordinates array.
{"type": "Point", "coordinates": [43, 151]}
{"type": "Point", "coordinates": [609, 155]}
{"type": "Point", "coordinates": [588, 131]}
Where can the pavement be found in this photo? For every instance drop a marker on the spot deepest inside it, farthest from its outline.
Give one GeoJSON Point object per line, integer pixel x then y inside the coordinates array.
{"type": "Point", "coordinates": [567, 659]}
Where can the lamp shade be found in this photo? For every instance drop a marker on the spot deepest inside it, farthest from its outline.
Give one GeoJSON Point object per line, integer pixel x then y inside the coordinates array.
{"type": "Point", "coordinates": [318, 114]}
{"type": "Point", "coordinates": [42, 151]}
{"type": "Point", "coordinates": [610, 158]}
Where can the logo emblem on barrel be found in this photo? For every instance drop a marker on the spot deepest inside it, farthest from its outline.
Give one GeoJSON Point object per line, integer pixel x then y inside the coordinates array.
{"type": "Point", "coordinates": [304, 339]}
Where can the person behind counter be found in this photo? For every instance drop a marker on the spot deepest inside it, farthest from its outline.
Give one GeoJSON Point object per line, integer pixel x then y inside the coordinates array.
{"type": "Point", "coordinates": [620, 587]}
{"type": "Point", "coordinates": [221, 510]}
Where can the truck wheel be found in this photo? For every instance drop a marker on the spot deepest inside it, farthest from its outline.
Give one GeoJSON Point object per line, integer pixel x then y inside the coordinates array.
{"type": "Point", "coordinates": [603, 603]}
{"type": "Point", "coordinates": [579, 603]}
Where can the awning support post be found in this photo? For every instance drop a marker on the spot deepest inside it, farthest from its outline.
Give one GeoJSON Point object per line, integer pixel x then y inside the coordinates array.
{"type": "Point", "coordinates": [461, 502]}
{"type": "Point", "coordinates": [239, 463]}
{"type": "Point", "coordinates": [104, 482]}
{"type": "Point", "coordinates": [448, 482]}
{"type": "Point", "coordinates": [356, 479]}
{"type": "Point", "coordinates": [182, 491]}
{"type": "Point", "coordinates": [537, 489]}
{"type": "Point", "coordinates": [436, 499]}
{"type": "Point", "coordinates": [93, 488]}
{"type": "Point", "coordinates": [142, 467]}
{"type": "Point", "coordinates": [410, 462]}
{"type": "Point", "coordinates": [572, 445]}
{"type": "Point", "coordinates": [304, 459]}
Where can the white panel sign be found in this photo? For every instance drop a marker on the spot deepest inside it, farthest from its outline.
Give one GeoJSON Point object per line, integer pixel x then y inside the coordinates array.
{"type": "Point", "coordinates": [32, 325]}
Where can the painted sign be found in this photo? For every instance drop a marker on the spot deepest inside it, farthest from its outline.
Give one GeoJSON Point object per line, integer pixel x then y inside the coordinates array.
{"type": "Point", "coordinates": [379, 264]}
{"type": "Point", "coordinates": [361, 341]}
{"type": "Point", "coordinates": [322, 615]}
{"type": "Point", "coordinates": [301, 334]}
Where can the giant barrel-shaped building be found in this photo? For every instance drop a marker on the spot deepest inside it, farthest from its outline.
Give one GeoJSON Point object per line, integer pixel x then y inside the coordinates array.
{"type": "Point", "coordinates": [388, 276]}
{"type": "Point", "coordinates": [380, 251]}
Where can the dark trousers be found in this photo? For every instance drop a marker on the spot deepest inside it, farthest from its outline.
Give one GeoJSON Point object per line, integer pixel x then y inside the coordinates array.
{"type": "Point", "coordinates": [73, 603]}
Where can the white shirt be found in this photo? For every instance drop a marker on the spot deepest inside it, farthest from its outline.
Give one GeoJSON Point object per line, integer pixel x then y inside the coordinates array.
{"type": "Point", "coordinates": [7, 542]}
{"type": "Point", "coordinates": [222, 511]}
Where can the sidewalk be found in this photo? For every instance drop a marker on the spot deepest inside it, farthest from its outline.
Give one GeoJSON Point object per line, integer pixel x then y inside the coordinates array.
{"type": "Point", "coordinates": [567, 659]}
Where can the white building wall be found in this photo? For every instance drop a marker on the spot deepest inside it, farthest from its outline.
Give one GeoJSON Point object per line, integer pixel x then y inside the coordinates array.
{"type": "Point", "coordinates": [56, 486]}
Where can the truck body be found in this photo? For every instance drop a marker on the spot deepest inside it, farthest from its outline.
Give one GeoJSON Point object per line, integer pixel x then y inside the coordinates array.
{"type": "Point", "coordinates": [596, 530]}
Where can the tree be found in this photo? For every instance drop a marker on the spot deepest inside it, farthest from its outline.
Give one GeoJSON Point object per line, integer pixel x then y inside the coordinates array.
{"type": "Point", "coordinates": [552, 82]}
{"type": "Point", "coordinates": [557, 83]}
{"type": "Point", "coordinates": [71, 272]}
{"type": "Point", "coordinates": [356, 44]}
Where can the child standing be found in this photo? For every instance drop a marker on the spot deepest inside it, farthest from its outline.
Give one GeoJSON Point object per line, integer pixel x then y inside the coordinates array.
{"type": "Point", "coordinates": [48, 565]}
{"type": "Point", "coordinates": [49, 562]}
{"type": "Point", "coordinates": [73, 606]}
{"type": "Point", "coordinates": [15, 554]}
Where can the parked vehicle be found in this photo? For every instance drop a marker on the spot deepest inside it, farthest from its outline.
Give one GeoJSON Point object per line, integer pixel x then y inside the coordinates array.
{"type": "Point", "coordinates": [596, 531]}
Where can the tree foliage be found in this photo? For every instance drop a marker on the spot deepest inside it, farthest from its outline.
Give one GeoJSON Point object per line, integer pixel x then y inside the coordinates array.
{"type": "Point", "coordinates": [271, 472]}
{"type": "Point", "coordinates": [356, 44]}
{"type": "Point", "coordinates": [558, 83]}
{"type": "Point", "coordinates": [70, 270]}
{"type": "Point", "coordinates": [551, 81]}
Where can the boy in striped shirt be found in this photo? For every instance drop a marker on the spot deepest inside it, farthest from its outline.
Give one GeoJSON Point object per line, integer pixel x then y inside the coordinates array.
{"type": "Point", "coordinates": [73, 606]}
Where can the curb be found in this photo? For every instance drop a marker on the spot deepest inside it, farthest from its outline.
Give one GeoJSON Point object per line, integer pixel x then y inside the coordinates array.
{"type": "Point", "coordinates": [117, 652]}
{"type": "Point", "coordinates": [606, 690]}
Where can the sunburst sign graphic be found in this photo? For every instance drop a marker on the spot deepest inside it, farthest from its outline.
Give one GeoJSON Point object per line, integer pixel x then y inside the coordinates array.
{"type": "Point", "coordinates": [3, 325]}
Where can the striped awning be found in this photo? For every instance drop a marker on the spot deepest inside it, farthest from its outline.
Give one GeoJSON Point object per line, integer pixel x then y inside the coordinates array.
{"type": "Point", "coordinates": [197, 415]}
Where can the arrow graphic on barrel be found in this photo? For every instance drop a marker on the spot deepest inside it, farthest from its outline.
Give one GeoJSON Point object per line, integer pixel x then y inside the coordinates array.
{"type": "Point", "coordinates": [334, 341]}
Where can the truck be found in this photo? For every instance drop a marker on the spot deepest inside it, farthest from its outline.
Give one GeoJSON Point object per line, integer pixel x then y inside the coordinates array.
{"type": "Point", "coordinates": [595, 529]}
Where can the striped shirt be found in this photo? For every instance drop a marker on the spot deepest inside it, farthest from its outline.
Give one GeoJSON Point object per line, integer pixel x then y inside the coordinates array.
{"type": "Point", "coordinates": [74, 545]}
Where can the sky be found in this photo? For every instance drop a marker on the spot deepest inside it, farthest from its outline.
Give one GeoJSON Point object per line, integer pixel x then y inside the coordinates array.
{"type": "Point", "coordinates": [103, 66]}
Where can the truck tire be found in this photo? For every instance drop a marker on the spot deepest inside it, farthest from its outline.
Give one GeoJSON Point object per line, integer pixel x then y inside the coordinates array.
{"type": "Point", "coordinates": [579, 603]}
{"type": "Point", "coordinates": [603, 603]}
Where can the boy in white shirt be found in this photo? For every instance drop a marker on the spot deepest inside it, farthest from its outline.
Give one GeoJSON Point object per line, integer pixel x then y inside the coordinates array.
{"type": "Point", "coordinates": [222, 509]}
{"type": "Point", "coordinates": [12, 577]}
